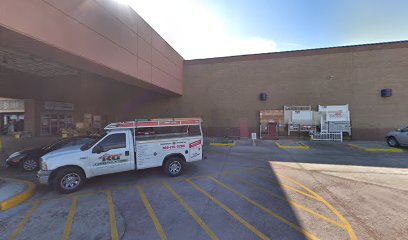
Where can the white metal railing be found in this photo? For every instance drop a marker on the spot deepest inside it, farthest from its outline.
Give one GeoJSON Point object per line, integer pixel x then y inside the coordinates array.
{"type": "Point", "coordinates": [297, 108]}
{"type": "Point", "coordinates": [327, 136]}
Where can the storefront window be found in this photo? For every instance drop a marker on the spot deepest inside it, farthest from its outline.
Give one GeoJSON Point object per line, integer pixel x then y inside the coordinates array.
{"type": "Point", "coordinates": [54, 123]}
{"type": "Point", "coordinates": [45, 124]}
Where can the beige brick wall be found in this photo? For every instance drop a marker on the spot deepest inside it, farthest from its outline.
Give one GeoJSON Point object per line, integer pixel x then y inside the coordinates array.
{"type": "Point", "coordinates": [225, 92]}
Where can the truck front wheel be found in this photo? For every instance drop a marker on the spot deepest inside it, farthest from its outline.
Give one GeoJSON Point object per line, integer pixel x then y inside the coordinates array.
{"type": "Point", "coordinates": [174, 166]}
{"type": "Point", "coordinates": [68, 180]}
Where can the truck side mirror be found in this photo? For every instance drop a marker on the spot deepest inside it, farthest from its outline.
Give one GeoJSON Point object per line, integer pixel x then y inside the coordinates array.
{"type": "Point", "coordinates": [97, 149]}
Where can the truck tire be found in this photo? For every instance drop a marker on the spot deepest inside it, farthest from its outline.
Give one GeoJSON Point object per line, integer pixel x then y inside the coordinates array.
{"type": "Point", "coordinates": [392, 142]}
{"type": "Point", "coordinates": [68, 180]}
{"type": "Point", "coordinates": [174, 166]}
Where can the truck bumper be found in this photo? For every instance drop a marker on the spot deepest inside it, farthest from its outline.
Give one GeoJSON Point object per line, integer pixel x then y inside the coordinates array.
{"type": "Point", "coordinates": [43, 176]}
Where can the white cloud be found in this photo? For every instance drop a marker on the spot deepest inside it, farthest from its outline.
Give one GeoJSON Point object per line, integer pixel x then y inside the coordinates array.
{"type": "Point", "coordinates": [195, 29]}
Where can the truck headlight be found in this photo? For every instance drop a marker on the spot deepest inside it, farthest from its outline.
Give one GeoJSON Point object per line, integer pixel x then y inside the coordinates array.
{"type": "Point", "coordinates": [43, 165]}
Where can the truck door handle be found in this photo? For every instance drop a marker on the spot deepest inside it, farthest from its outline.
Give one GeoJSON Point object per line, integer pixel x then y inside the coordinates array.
{"type": "Point", "coordinates": [127, 153]}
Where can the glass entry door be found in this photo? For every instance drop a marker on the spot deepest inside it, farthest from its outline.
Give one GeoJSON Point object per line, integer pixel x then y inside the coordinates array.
{"type": "Point", "coordinates": [54, 123]}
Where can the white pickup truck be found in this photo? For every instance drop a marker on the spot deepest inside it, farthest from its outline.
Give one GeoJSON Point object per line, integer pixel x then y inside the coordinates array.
{"type": "Point", "coordinates": [134, 145]}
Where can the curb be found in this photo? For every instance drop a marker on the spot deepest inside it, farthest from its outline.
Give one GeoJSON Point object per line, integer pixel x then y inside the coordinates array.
{"type": "Point", "coordinates": [375, 149]}
{"type": "Point", "coordinates": [19, 198]}
{"type": "Point", "coordinates": [222, 144]}
{"type": "Point", "coordinates": [291, 147]}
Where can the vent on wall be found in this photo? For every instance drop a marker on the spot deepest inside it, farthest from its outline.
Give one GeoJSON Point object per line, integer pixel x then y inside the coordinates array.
{"type": "Point", "coordinates": [263, 96]}
{"type": "Point", "coordinates": [386, 92]}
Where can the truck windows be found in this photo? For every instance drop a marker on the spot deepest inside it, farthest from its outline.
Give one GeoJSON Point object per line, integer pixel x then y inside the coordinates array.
{"type": "Point", "coordinates": [194, 130]}
{"type": "Point", "coordinates": [113, 141]}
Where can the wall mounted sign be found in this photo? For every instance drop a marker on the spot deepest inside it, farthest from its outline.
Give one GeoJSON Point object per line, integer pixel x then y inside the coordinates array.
{"type": "Point", "coordinates": [58, 106]}
{"type": "Point", "coordinates": [11, 105]}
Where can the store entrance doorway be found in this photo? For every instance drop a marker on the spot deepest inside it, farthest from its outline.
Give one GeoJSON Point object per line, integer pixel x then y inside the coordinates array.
{"type": "Point", "coordinates": [272, 130]}
{"type": "Point", "coordinates": [54, 123]}
{"type": "Point", "coordinates": [271, 124]}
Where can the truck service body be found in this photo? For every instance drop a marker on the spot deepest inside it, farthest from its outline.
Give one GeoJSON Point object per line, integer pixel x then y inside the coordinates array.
{"type": "Point", "coordinates": [133, 145]}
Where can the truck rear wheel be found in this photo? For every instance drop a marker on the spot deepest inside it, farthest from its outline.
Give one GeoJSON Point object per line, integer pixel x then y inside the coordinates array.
{"type": "Point", "coordinates": [174, 166]}
{"type": "Point", "coordinates": [68, 180]}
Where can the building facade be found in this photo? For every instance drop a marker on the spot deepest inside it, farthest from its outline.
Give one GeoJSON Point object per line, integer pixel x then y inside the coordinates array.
{"type": "Point", "coordinates": [225, 91]}
{"type": "Point", "coordinates": [97, 61]}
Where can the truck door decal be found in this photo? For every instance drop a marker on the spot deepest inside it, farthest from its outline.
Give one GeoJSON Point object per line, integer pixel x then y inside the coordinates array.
{"type": "Point", "coordinates": [108, 159]}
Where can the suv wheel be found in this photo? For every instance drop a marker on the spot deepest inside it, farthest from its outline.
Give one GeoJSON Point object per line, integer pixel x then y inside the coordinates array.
{"type": "Point", "coordinates": [68, 180]}
{"type": "Point", "coordinates": [29, 165]}
{"type": "Point", "coordinates": [174, 166]}
{"type": "Point", "coordinates": [392, 142]}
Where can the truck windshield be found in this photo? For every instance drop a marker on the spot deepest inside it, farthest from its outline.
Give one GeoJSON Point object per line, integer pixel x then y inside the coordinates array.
{"type": "Point", "coordinates": [91, 143]}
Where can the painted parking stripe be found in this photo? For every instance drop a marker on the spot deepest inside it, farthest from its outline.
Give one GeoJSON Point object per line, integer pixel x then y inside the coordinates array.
{"type": "Point", "coordinates": [270, 212]}
{"type": "Point", "coordinates": [373, 149]}
{"type": "Point", "coordinates": [24, 221]}
{"type": "Point", "coordinates": [112, 217]}
{"type": "Point", "coordinates": [292, 147]}
{"type": "Point", "coordinates": [152, 214]}
{"type": "Point", "coordinates": [70, 218]}
{"type": "Point", "coordinates": [286, 186]}
{"type": "Point", "coordinates": [250, 183]}
{"type": "Point", "coordinates": [89, 193]}
{"type": "Point", "coordinates": [347, 225]}
{"type": "Point", "coordinates": [200, 222]}
{"type": "Point", "coordinates": [230, 211]}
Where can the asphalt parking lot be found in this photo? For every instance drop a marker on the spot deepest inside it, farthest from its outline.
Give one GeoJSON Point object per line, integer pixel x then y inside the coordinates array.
{"type": "Point", "coordinates": [328, 191]}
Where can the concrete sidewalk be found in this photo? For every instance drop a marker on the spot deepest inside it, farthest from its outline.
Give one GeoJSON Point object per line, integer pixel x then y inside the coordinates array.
{"type": "Point", "coordinates": [14, 192]}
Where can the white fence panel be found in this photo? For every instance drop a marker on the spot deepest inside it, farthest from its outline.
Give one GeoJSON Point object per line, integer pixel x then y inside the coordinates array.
{"type": "Point", "coordinates": [327, 136]}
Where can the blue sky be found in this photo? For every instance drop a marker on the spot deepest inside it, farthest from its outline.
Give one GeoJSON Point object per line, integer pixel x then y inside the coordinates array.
{"type": "Point", "coordinates": [213, 28]}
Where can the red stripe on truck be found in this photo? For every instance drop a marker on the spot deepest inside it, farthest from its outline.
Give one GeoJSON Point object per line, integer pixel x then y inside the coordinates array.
{"type": "Point", "coordinates": [194, 144]}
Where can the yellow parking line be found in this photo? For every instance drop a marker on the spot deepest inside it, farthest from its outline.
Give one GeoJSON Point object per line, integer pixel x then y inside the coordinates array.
{"type": "Point", "coordinates": [70, 218]}
{"type": "Point", "coordinates": [347, 225]}
{"type": "Point", "coordinates": [270, 212]}
{"type": "Point", "coordinates": [200, 222]}
{"type": "Point", "coordinates": [368, 149]}
{"type": "Point", "coordinates": [141, 184]}
{"type": "Point", "coordinates": [112, 218]}
{"type": "Point", "coordinates": [24, 221]}
{"type": "Point", "coordinates": [287, 186]}
{"type": "Point", "coordinates": [289, 201]}
{"type": "Point", "coordinates": [222, 144]}
{"type": "Point", "coordinates": [300, 185]}
{"type": "Point", "coordinates": [291, 147]}
{"type": "Point", "coordinates": [152, 214]}
{"type": "Point", "coordinates": [231, 212]}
